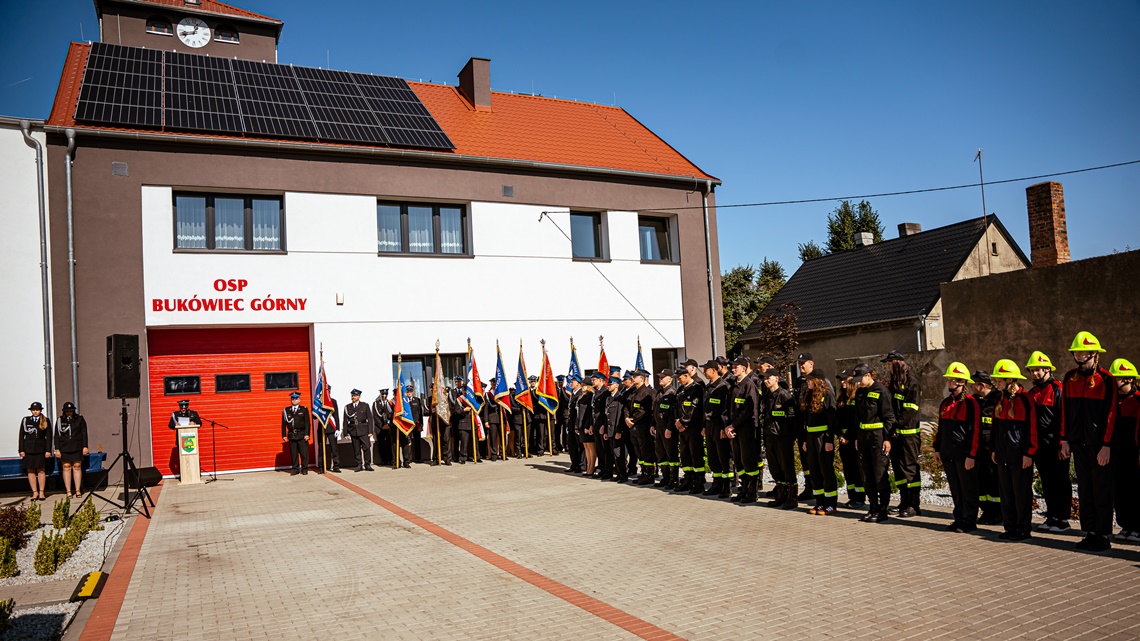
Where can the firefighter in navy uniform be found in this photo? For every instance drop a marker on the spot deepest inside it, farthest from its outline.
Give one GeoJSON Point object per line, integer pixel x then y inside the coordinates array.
{"type": "Point", "coordinates": [689, 423]}
{"type": "Point", "coordinates": [1056, 485]}
{"type": "Point", "coordinates": [605, 466]}
{"type": "Point", "coordinates": [717, 447]}
{"type": "Point", "coordinates": [743, 414]}
{"type": "Point", "coordinates": [1086, 435]}
{"type": "Point", "coordinates": [617, 433]}
{"type": "Point", "coordinates": [383, 453]}
{"type": "Point", "coordinates": [906, 443]}
{"type": "Point", "coordinates": [296, 430]}
{"type": "Point", "coordinates": [665, 430]}
{"type": "Point", "coordinates": [408, 449]}
{"type": "Point", "coordinates": [184, 412]}
{"type": "Point", "coordinates": [327, 449]}
{"type": "Point", "coordinates": [956, 446]}
{"type": "Point", "coordinates": [779, 422]}
{"type": "Point", "coordinates": [461, 422]}
{"type": "Point", "coordinates": [358, 426]}
{"type": "Point", "coordinates": [1126, 444]}
{"type": "Point", "coordinates": [989, 495]}
{"type": "Point", "coordinates": [561, 444]}
{"type": "Point", "coordinates": [876, 427]}
{"type": "Point", "coordinates": [35, 447]}
{"type": "Point", "coordinates": [492, 420]}
{"type": "Point", "coordinates": [639, 420]}
{"type": "Point", "coordinates": [630, 445]}
{"type": "Point", "coordinates": [1014, 446]}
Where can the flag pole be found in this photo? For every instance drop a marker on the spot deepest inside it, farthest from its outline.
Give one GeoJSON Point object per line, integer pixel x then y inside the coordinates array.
{"type": "Point", "coordinates": [435, 380]}
{"type": "Point", "coordinates": [474, 432]}
{"type": "Point", "coordinates": [502, 435]}
{"type": "Point", "coordinates": [526, 437]}
{"type": "Point", "coordinates": [549, 432]}
{"type": "Point", "coordinates": [324, 466]}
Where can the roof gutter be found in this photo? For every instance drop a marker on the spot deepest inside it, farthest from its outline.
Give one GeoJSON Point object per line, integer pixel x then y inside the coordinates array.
{"type": "Point", "coordinates": [709, 266]}
{"type": "Point", "coordinates": [382, 153]}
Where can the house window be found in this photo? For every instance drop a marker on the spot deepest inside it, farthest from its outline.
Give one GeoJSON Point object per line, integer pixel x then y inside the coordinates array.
{"type": "Point", "coordinates": [422, 228]}
{"type": "Point", "coordinates": [181, 385]}
{"type": "Point", "coordinates": [228, 222]}
{"type": "Point", "coordinates": [226, 33]}
{"type": "Point", "coordinates": [231, 383]}
{"type": "Point", "coordinates": [277, 381]}
{"type": "Point", "coordinates": [653, 236]}
{"type": "Point", "coordinates": [159, 26]}
{"type": "Point", "coordinates": [586, 234]}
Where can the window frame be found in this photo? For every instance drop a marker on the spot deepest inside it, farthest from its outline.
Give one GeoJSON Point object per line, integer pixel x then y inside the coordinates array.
{"type": "Point", "coordinates": [247, 221]}
{"type": "Point", "coordinates": [154, 20]}
{"type": "Point", "coordinates": [248, 380]}
{"type": "Point", "coordinates": [437, 241]}
{"type": "Point", "coordinates": [166, 388]}
{"type": "Point", "coordinates": [226, 28]}
{"type": "Point", "coordinates": [600, 244]}
{"type": "Point", "coordinates": [296, 381]}
{"type": "Point", "coordinates": [670, 245]}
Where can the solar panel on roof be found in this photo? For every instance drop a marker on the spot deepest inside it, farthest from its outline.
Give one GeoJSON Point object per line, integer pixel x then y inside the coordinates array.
{"type": "Point", "coordinates": [121, 86]}
{"type": "Point", "coordinates": [337, 106]}
{"type": "Point", "coordinates": [405, 119]}
{"type": "Point", "coordinates": [271, 100]}
{"type": "Point", "coordinates": [199, 92]}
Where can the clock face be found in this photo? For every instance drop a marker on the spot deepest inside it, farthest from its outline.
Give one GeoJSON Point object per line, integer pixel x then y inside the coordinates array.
{"type": "Point", "coordinates": [193, 32]}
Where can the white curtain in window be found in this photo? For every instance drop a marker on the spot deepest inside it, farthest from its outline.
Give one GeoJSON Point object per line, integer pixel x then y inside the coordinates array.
{"type": "Point", "coordinates": [266, 224]}
{"type": "Point", "coordinates": [190, 222]}
{"type": "Point", "coordinates": [229, 223]}
{"type": "Point", "coordinates": [420, 237]}
{"type": "Point", "coordinates": [451, 230]}
{"type": "Point", "coordinates": [388, 228]}
{"type": "Point", "coordinates": [649, 247]}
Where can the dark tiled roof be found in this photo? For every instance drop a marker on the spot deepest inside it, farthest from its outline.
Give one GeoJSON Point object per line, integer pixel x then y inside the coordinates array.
{"type": "Point", "coordinates": [896, 278]}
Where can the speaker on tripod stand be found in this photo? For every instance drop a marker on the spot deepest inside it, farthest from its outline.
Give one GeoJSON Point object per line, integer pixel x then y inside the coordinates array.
{"type": "Point", "coordinates": [124, 377]}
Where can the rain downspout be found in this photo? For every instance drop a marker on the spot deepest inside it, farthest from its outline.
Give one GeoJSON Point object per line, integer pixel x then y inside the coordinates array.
{"type": "Point", "coordinates": [919, 326]}
{"type": "Point", "coordinates": [71, 271]}
{"type": "Point", "coordinates": [709, 266]}
{"type": "Point", "coordinates": [25, 127]}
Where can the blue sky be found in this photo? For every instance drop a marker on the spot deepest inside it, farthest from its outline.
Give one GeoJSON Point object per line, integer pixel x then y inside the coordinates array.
{"type": "Point", "coordinates": [781, 101]}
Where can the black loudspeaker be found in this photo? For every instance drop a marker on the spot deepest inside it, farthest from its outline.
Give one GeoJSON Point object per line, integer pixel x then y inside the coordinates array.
{"type": "Point", "coordinates": [149, 476]}
{"type": "Point", "coordinates": [123, 366]}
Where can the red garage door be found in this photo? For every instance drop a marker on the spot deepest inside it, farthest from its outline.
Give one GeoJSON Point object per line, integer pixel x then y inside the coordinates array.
{"type": "Point", "coordinates": [240, 378]}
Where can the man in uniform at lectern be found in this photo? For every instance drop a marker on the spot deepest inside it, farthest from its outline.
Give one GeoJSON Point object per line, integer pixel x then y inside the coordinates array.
{"type": "Point", "coordinates": [296, 428]}
{"type": "Point", "coordinates": [184, 416]}
{"type": "Point", "coordinates": [358, 426]}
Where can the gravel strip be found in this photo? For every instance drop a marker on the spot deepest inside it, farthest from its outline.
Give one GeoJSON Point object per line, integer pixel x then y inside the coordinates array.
{"type": "Point", "coordinates": [88, 558]}
{"type": "Point", "coordinates": [43, 623]}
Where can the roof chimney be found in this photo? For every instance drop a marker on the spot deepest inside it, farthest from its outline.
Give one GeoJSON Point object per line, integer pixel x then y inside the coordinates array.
{"type": "Point", "coordinates": [864, 238]}
{"type": "Point", "coordinates": [909, 229]}
{"type": "Point", "coordinates": [1048, 234]}
{"type": "Point", "coordinates": [475, 83]}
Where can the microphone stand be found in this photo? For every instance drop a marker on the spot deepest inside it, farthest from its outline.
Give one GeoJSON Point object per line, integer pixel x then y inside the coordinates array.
{"type": "Point", "coordinates": [214, 448]}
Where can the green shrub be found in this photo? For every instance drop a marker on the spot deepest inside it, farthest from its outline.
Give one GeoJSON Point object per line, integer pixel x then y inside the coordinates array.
{"type": "Point", "coordinates": [47, 553]}
{"type": "Point", "coordinates": [71, 540]}
{"type": "Point", "coordinates": [89, 516]}
{"type": "Point", "coordinates": [61, 514]}
{"type": "Point", "coordinates": [13, 525]}
{"type": "Point", "coordinates": [34, 515]}
{"type": "Point", "coordinates": [6, 614]}
{"type": "Point", "coordinates": [8, 567]}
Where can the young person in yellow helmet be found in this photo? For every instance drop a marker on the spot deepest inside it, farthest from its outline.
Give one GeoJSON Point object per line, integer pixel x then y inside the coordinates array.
{"type": "Point", "coordinates": [956, 446]}
{"type": "Point", "coordinates": [1087, 425]}
{"type": "Point", "coordinates": [1125, 450]}
{"type": "Point", "coordinates": [1014, 446]}
{"type": "Point", "coordinates": [1051, 466]}
{"type": "Point", "coordinates": [989, 496]}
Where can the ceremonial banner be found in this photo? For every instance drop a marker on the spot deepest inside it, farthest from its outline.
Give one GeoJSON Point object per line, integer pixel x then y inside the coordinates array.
{"type": "Point", "coordinates": [522, 388]}
{"type": "Point", "coordinates": [402, 411]}
{"type": "Point", "coordinates": [322, 399]}
{"type": "Point", "coordinates": [575, 370]}
{"type": "Point", "coordinates": [502, 391]}
{"type": "Point", "coordinates": [547, 388]}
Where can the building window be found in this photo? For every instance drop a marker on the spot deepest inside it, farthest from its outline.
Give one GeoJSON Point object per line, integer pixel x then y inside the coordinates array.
{"type": "Point", "coordinates": [226, 33]}
{"type": "Point", "coordinates": [586, 234]}
{"type": "Point", "coordinates": [228, 222]}
{"type": "Point", "coordinates": [277, 381]}
{"type": "Point", "coordinates": [422, 228]}
{"type": "Point", "coordinates": [653, 236]}
{"type": "Point", "coordinates": [181, 385]}
{"type": "Point", "coordinates": [231, 383]}
{"type": "Point", "coordinates": [159, 26]}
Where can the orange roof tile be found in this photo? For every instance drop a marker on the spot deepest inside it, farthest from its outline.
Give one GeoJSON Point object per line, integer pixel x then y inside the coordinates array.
{"type": "Point", "coordinates": [207, 6]}
{"type": "Point", "coordinates": [517, 128]}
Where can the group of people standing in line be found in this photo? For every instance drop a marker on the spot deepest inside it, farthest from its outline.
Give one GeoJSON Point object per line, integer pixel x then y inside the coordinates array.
{"type": "Point", "coordinates": [41, 444]}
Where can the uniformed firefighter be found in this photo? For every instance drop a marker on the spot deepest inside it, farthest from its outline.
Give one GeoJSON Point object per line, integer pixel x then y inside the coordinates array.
{"type": "Point", "coordinates": [847, 424]}
{"type": "Point", "coordinates": [818, 411]}
{"type": "Point", "coordinates": [409, 450]}
{"type": "Point", "coordinates": [640, 423]}
{"type": "Point", "coordinates": [906, 441]}
{"type": "Point", "coordinates": [579, 419]}
{"type": "Point", "coordinates": [956, 446]}
{"type": "Point", "coordinates": [605, 465]}
{"type": "Point", "coordinates": [296, 430]}
{"type": "Point", "coordinates": [35, 448]}
{"type": "Point", "coordinates": [328, 451]}
{"type": "Point", "coordinates": [461, 422]}
{"type": "Point", "coordinates": [717, 448]}
{"type": "Point", "coordinates": [1126, 439]}
{"type": "Point", "coordinates": [665, 431]}
{"type": "Point", "coordinates": [71, 447]}
{"type": "Point", "coordinates": [690, 424]}
{"type": "Point", "coordinates": [184, 415]}
{"type": "Point", "coordinates": [384, 452]}
{"type": "Point", "coordinates": [357, 421]}
{"type": "Point", "coordinates": [806, 365]}
{"type": "Point", "coordinates": [1014, 446]}
{"type": "Point", "coordinates": [1053, 469]}
{"type": "Point", "coordinates": [1086, 435]}
{"type": "Point", "coordinates": [989, 495]}
{"type": "Point", "coordinates": [743, 414]}
{"type": "Point", "coordinates": [617, 431]}
{"type": "Point", "coordinates": [631, 443]}
{"type": "Point", "coordinates": [779, 423]}
{"type": "Point", "coordinates": [561, 444]}
{"type": "Point", "coordinates": [493, 423]}
{"type": "Point", "coordinates": [876, 426]}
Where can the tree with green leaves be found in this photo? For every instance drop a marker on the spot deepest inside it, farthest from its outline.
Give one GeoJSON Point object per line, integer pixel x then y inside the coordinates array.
{"type": "Point", "coordinates": [745, 291]}
{"type": "Point", "coordinates": [779, 335]}
{"type": "Point", "coordinates": [842, 224]}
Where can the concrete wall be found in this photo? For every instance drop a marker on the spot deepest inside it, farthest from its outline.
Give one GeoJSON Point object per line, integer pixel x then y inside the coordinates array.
{"type": "Point", "coordinates": [827, 347]}
{"type": "Point", "coordinates": [1010, 315]}
{"type": "Point", "coordinates": [928, 365]}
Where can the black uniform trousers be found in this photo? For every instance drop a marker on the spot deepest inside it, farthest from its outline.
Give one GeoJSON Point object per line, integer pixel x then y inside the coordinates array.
{"type": "Point", "coordinates": [719, 452]}
{"type": "Point", "coordinates": [804, 465]}
{"type": "Point", "coordinates": [1094, 488]}
{"type": "Point", "coordinates": [574, 449]}
{"type": "Point", "coordinates": [780, 450]}
{"type": "Point", "coordinates": [875, 463]}
{"type": "Point", "coordinates": [405, 445]}
{"type": "Point", "coordinates": [825, 487]}
{"type": "Point", "coordinates": [330, 458]}
{"type": "Point", "coordinates": [464, 453]}
{"type": "Point", "coordinates": [691, 451]}
{"type": "Point", "coordinates": [1056, 486]}
{"type": "Point", "coordinates": [362, 450]}
{"type": "Point", "coordinates": [666, 449]}
{"type": "Point", "coordinates": [442, 437]}
{"type": "Point", "coordinates": [538, 431]}
{"type": "Point", "coordinates": [963, 489]}
{"type": "Point", "coordinates": [1127, 492]}
{"type": "Point", "coordinates": [299, 450]}
{"type": "Point", "coordinates": [852, 471]}
{"type": "Point", "coordinates": [1016, 484]}
{"type": "Point", "coordinates": [746, 452]}
{"type": "Point", "coordinates": [989, 494]}
{"type": "Point", "coordinates": [904, 459]}
{"type": "Point", "coordinates": [605, 450]}
{"type": "Point", "coordinates": [646, 453]}
{"type": "Point", "coordinates": [621, 451]}
{"type": "Point", "coordinates": [382, 452]}
{"type": "Point", "coordinates": [494, 440]}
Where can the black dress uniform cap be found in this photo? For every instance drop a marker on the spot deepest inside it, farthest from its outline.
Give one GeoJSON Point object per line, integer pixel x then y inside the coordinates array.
{"type": "Point", "coordinates": [893, 355]}
{"type": "Point", "coordinates": [861, 370]}
{"type": "Point", "coordinates": [710, 364]}
{"type": "Point", "coordinates": [642, 372]}
{"type": "Point", "coordinates": [596, 374]}
{"type": "Point", "coordinates": [615, 369]}
{"type": "Point", "coordinates": [982, 376]}
{"type": "Point", "coordinates": [771, 372]}
{"type": "Point", "coordinates": [184, 403]}
{"type": "Point", "coordinates": [408, 388]}
{"type": "Point", "coordinates": [682, 370]}
{"type": "Point", "coordinates": [766, 359]}
{"type": "Point", "coordinates": [560, 378]}
{"type": "Point", "coordinates": [575, 377]}
{"type": "Point", "coordinates": [742, 360]}
{"type": "Point", "coordinates": [615, 380]}
{"type": "Point", "coordinates": [383, 391]}
{"type": "Point", "coordinates": [295, 395]}
{"type": "Point", "coordinates": [692, 362]}
{"type": "Point", "coordinates": [458, 379]}
{"type": "Point", "coordinates": [721, 360]}
{"type": "Point", "coordinates": [818, 373]}
{"type": "Point", "coordinates": [666, 372]}
{"type": "Point", "coordinates": [532, 378]}
{"type": "Point", "coordinates": [804, 357]}
{"type": "Point", "coordinates": [355, 392]}
{"type": "Point", "coordinates": [69, 407]}
{"type": "Point", "coordinates": [35, 406]}
{"type": "Point", "coordinates": [627, 374]}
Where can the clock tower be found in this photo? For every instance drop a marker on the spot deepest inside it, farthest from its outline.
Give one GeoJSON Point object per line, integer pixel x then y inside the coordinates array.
{"type": "Point", "coordinates": [204, 27]}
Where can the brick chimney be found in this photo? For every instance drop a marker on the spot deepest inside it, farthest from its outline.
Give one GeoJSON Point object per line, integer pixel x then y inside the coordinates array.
{"type": "Point", "coordinates": [1048, 235]}
{"type": "Point", "coordinates": [909, 229]}
{"type": "Point", "coordinates": [475, 83]}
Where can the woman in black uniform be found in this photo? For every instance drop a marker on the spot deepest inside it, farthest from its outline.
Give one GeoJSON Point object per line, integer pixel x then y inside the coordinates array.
{"type": "Point", "coordinates": [35, 448]}
{"type": "Point", "coordinates": [71, 447]}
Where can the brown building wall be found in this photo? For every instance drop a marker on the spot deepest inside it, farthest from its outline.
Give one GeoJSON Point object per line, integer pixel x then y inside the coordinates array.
{"type": "Point", "coordinates": [108, 234]}
{"type": "Point", "coordinates": [123, 25]}
{"type": "Point", "coordinates": [1011, 315]}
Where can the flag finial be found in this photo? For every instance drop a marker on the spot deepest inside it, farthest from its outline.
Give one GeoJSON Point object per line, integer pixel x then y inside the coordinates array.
{"type": "Point", "coordinates": [400, 358]}
{"type": "Point", "coordinates": [437, 346]}
{"type": "Point", "coordinates": [601, 340]}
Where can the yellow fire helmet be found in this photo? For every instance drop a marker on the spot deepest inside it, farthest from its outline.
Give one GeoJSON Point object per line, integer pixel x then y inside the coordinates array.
{"type": "Point", "coordinates": [1006, 368]}
{"type": "Point", "coordinates": [1122, 368]}
{"type": "Point", "coordinates": [1038, 359]}
{"type": "Point", "coordinates": [1085, 342]}
{"type": "Point", "coordinates": [958, 370]}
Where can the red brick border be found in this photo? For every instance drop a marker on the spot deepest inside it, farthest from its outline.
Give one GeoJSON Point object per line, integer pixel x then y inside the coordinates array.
{"type": "Point", "coordinates": [602, 610]}
{"type": "Point", "coordinates": [101, 623]}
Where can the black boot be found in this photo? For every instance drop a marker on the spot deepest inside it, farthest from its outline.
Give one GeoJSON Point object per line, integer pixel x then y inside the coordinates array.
{"type": "Point", "coordinates": [714, 487]}
{"type": "Point", "coordinates": [665, 477]}
{"type": "Point", "coordinates": [684, 484]}
{"type": "Point", "coordinates": [698, 484]}
{"type": "Point", "coordinates": [791, 500]}
{"type": "Point", "coordinates": [674, 474]}
{"type": "Point", "coordinates": [916, 500]}
{"type": "Point", "coordinates": [750, 489]}
{"type": "Point", "coordinates": [777, 493]}
{"type": "Point", "coordinates": [741, 488]}
{"type": "Point", "coordinates": [725, 488]}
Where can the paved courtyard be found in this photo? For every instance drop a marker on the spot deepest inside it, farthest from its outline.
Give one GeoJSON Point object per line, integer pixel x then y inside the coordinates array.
{"type": "Point", "coordinates": [520, 550]}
